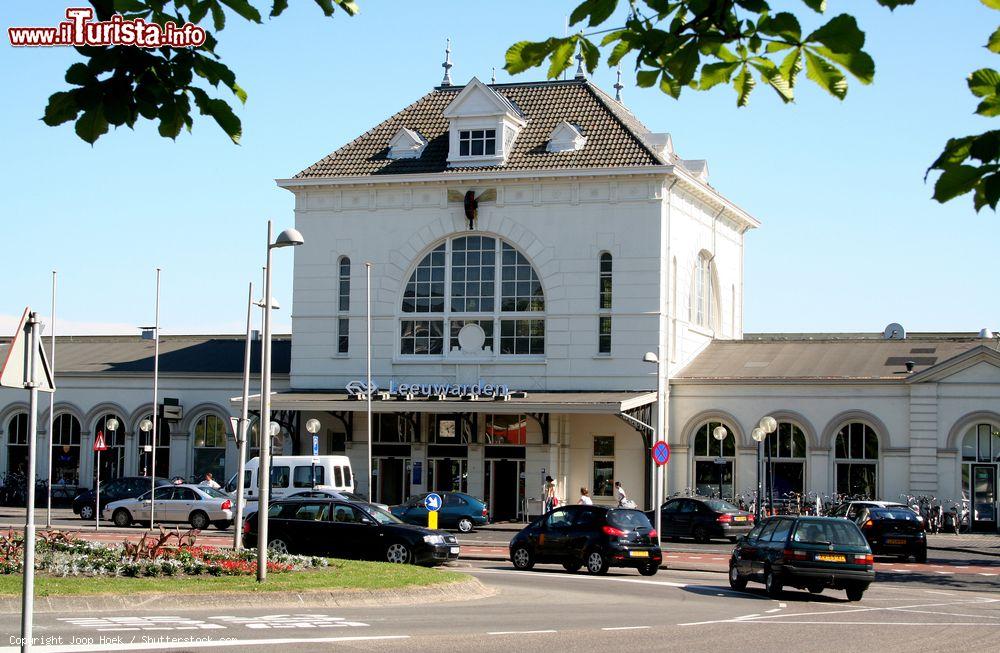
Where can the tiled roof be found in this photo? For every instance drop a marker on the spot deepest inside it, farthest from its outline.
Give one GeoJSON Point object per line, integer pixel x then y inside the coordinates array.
{"type": "Point", "coordinates": [178, 354]}
{"type": "Point", "coordinates": [615, 138]}
{"type": "Point", "coordinates": [787, 358]}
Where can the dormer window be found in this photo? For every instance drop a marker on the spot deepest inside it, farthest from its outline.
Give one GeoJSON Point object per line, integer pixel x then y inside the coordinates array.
{"type": "Point", "coordinates": [477, 142]}
{"type": "Point", "coordinates": [406, 144]}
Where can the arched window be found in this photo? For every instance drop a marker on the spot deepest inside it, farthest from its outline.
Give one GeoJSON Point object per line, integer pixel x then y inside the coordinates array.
{"type": "Point", "coordinates": [787, 470]}
{"type": "Point", "coordinates": [17, 444]}
{"type": "Point", "coordinates": [66, 450]}
{"type": "Point", "coordinates": [468, 289]}
{"type": "Point", "coordinates": [209, 447]}
{"type": "Point", "coordinates": [713, 457]}
{"type": "Point", "coordinates": [144, 441]}
{"type": "Point", "coordinates": [856, 454]}
{"type": "Point", "coordinates": [343, 305]}
{"type": "Point", "coordinates": [604, 306]}
{"type": "Point", "coordinates": [980, 469]}
{"type": "Point", "coordinates": [112, 460]}
{"type": "Point", "coordinates": [703, 299]}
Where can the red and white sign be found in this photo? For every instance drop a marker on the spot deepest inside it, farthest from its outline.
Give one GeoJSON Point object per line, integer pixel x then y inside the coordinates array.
{"type": "Point", "coordinates": [99, 444]}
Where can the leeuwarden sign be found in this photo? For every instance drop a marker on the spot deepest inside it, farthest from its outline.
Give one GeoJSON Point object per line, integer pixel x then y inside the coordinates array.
{"type": "Point", "coordinates": [479, 389]}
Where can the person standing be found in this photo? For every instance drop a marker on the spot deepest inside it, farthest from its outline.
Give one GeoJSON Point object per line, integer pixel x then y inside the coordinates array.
{"type": "Point", "coordinates": [210, 482]}
{"type": "Point", "coordinates": [621, 495]}
{"type": "Point", "coordinates": [585, 499]}
{"type": "Point", "coordinates": [549, 494]}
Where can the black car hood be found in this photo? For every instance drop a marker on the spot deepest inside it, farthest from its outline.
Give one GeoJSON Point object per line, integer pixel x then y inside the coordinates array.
{"type": "Point", "coordinates": [413, 529]}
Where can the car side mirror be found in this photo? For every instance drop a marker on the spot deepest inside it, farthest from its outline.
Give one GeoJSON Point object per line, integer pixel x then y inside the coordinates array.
{"type": "Point", "coordinates": [368, 521]}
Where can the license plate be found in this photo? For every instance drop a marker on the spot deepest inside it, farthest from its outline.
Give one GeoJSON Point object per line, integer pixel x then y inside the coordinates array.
{"type": "Point", "coordinates": [455, 550]}
{"type": "Point", "coordinates": [827, 557]}
{"type": "Point", "coordinates": [738, 518]}
{"type": "Point", "coordinates": [894, 540]}
{"type": "Point", "coordinates": [639, 554]}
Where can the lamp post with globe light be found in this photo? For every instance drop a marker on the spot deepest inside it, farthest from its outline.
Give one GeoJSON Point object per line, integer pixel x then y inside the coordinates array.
{"type": "Point", "coordinates": [111, 424]}
{"type": "Point", "coordinates": [720, 433]}
{"type": "Point", "coordinates": [766, 426]}
{"type": "Point", "coordinates": [313, 426]}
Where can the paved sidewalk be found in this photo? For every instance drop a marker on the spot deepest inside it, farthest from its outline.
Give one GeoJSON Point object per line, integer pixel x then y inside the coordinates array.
{"type": "Point", "coordinates": [981, 543]}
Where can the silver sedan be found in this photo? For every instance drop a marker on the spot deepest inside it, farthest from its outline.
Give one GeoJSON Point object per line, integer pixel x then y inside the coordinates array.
{"type": "Point", "coordinates": [198, 505]}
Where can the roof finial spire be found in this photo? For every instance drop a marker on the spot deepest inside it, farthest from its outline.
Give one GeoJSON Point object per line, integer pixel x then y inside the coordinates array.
{"type": "Point", "coordinates": [618, 85]}
{"type": "Point", "coordinates": [580, 72]}
{"type": "Point", "coordinates": [447, 64]}
{"type": "Point", "coordinates": [493, 79]}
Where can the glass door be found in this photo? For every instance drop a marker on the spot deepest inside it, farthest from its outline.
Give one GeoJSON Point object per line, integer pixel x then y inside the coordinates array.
{"type": "Point", "coordinates": [392, 480]}
{"type": "Point", "coordinates": [984, 498]}
{"type": "Point", "coordinates": [505, 489]}
{"type": "Point", "coordinates": [448, 475]}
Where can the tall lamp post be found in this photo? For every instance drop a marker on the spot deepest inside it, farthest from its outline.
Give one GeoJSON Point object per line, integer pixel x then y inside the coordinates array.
{"type": "Point", "coordinates": [758, 436]}
{"type": "Point", "coordinates": [768, 425]}
{"type": "Point", "coordinates": [287, 238]}
{"type": "Point", "coordinates": [720, 433]}
{"type": "Point", "coordinates": [651, 357]}
{"type": "Point", "coordinates": [112, 426]}
{"type": "Point", "coordinates": [368, 374]}
{"type": "Point", "coordinates": [52, 405]}
{"type": "Point", "coordinates": [313, 426]}
{"type": "Point", "coordinates": [241, 428]}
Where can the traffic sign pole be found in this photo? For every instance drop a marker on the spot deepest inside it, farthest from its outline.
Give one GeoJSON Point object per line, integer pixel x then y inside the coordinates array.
{"type": "Point", "coordinates": [97, 513]}
{"type": "Point", "coordinates": [432, 502]}
{"type": "Point", "coordinates": [28, 589]}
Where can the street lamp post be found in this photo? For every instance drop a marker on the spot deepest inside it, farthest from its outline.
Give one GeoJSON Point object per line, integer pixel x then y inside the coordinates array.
{"type": "Point", "coordinates": [287, 238]}
{"type": "Point", "coordinates": [368, 379]}
{"type": "Point", "coordinates": [720, 433]}
{"type": "Point", "coordinates": [313, 426]}
{"type": "Point", "coordinates": [758, 436]}
{"type": "Point", "coordinates": [650, 357]}
{"type": "Point", "coordinates": [145, 426]}
{"type": "Point", "coordinates": [110, 425]}
{"type": "Point", "coordinates": [241, 433]}
{"type": "Point", "coordinates": [768, 425]}
{"type": "Point", "coordinates": [52, 405]}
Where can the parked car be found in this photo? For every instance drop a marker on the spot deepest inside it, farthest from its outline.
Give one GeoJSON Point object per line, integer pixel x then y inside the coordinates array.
{"type": "Point", "coordinates": [702, 519]}
{"type": "Point", "coordinates": [458, 510]}
{"type": "Point", "coordinates": [126, 487]}
{"type": "Point", "coordinates": [804, 552]}
{"type": "Point", "coordinates": [852, 509]}
{"type": "Point", "coordinates": [349, 529]}
{"type": "Point", "coordinates": [332, 494]}
{"type": "Point", "coordinates": [198, 505]}
{"type": "Point", "coordinates": [596, 536]}
{"type": "Point", "coordinates": [894, 531]}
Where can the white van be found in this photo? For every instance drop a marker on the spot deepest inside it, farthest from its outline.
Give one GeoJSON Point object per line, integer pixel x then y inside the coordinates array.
{"type": "Point", "coordinates": [291, 474]}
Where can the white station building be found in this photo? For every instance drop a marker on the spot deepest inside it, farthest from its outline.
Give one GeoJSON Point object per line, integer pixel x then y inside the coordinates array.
{"type": "Point", "coordinates": [528, 244]}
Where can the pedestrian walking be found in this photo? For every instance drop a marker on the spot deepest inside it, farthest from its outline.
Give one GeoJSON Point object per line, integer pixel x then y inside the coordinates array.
{"type": "Point", "coordinates": [622, 496]}
{"type": "Point", "coordinates": [549, 494]}
{"type": "Point", "coordinates": [210, 482]}
{"type": "Point", "coordinates": [585, 499]}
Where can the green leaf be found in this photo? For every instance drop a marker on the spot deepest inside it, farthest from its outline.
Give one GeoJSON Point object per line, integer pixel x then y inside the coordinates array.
{"type": "Point", "coordinates": [349, 6]}
{"type": "Point", "coordinates": [782, 24]}
{"type": "Point", "coordinates": [670, 86]}
{"type": "Point", "coordinates": [218, 16]}
{"type": "Point", "coordinates": [244, 9]}
{"type": "Point", "coordinates": [646, 78]}
{"type": "Point", "coordinates": [591, 55]}
{"type": "Point", "coordinates": [992, 4]}
{"type": "Point", "coordinates": [988, 192]}
{"type": "Point", "coordinates": [791, 66]}
{"type": "Point", "coordinates": [172, 114]}
{"type": "Point", "coordinates": [892, 4]}
{"type": "Point", "coordinates": [618, 52]}
{"type": "Point", "coordinates": [955, 181]}
{"type": "Point", "coordinates": [127, 6]}
{"type": "Point", "coordinates": [684, 63]}
{"type": "Point", "coordinates": [744, 85]}
{"type": "Point", "coordinates": [91, 125]}
{"type": "Point", "coordinates": [527, 54]}
{"type": "Point", "coordinates": [826, 75]}
{"type": "Point", "coordinates": [955, 152]}
{"type": "Point", "coordinates": [989, 107]}
{"type": "Point", "coordinates": [278, 8]}
{"type": "Point", "coordinates": [994, 43]}
{"type": "Point", "coordinates": [198, 11]}
{"type": "Point", "coordinates": [770, 73]}
{"type": "Point", "coordinates": [561, 58]}
{"type": "Point", "coordinates": [984, 81]}
{"type": "Point", "coordinates": [840, 34]}
{"type": "Point", "coordinates": [62, 107]}
{"type": "Point", "coordinates": [221, 112]}
{"type": "Point", "coordinates": [598, 10]}
{"type": "Point", "coordinates": [858, 63]}
{"type": "Point", "coordinates": [79, 75]}
{"type": "Point", "coordinates": [713, 74]}
{"type": "Point", "coordinates": [816, 5]}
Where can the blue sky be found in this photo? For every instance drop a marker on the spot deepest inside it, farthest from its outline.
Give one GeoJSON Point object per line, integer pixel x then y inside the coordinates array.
{"type": "Point", "coordinates": [850, 239]}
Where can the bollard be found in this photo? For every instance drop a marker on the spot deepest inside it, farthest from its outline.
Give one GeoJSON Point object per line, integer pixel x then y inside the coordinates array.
{"type": "Point", "coordinates": [432, 519]}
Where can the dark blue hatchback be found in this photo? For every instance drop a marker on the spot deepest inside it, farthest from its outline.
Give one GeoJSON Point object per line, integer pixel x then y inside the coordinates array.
{"type": "Point", "coordinates": [458, 510]}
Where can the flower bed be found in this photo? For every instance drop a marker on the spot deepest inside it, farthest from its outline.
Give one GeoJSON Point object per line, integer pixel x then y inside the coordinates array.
{"type": "Point", "coordinates": [166, 554]}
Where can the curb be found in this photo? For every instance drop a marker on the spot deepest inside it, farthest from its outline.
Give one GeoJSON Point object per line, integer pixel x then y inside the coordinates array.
{"type": "Point", "coordinates": [964, 550]}
{"type": "Point", "coordinates": [665, 567]}
{"type": "Point", "coordinates": [463, 590]}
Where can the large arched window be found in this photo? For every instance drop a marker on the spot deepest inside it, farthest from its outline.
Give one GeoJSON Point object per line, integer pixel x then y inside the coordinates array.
{"type": "Point", "coordinates": [209, 447]}
{"type": "Point", "coordinates": [787, 470]}
{"type": "Point", "coordinates": [702, 296]}
{"type": "Point", "coordinates": [66, 450]}
{"type": "Point", "coordinates": [467, 291]}
{"type": "Point", "coordinates": [343, 305]}
{"type": "Point", "coordinates": [112, 460]}
{"type": "Point", "coordinates": [714, 457]}
{"type": "Point", "coordinates": [17, 444]}
{"type": "Point", "coordinates": [144, 440]}
{"type": "Point", "coordinates": [856, 454]}
{"type": "Point", "coordinates": [604, 306]}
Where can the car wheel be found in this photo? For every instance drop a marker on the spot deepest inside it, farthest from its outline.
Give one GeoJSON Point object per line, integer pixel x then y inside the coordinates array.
{"type": "Point", "coordinates": [816, 588]}
{"type": "Point", "coordinates": [398, 553]}
{"type": "Point", "coordinates": [855, 592]}
{"type": "Point", "coordinates": [278, 545]}
{"type": "Point", "coordinates": [772, 585]}
{"type": "Point", "coordinates": [87, 512]}
{"type": "Point", "coordinates": [122, 518]}
{"type": "Point", "coordinates": [199, 520]}
{"type": "Point", "coordinates": [650, 569]}
{"type": "Point", "coordinates": [597, 564]}
{"type": "Point", "coordinates": [736, 581]}
{"type": "Point", "coordinates": [700, 534]}
{"type": "Point", "coordinates": [572, 567]}
{"type": "Point", "coordinates": [222, 524]}
{"type": "Point", "coordinates": [522, 558]}
{"type": "Point", "coordinates": [465, 525]}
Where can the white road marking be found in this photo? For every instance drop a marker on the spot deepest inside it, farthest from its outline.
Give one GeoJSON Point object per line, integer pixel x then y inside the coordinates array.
{"type": "Point", "coordinates": [269, 621]}
{"type": "Point", "coordinates": [982, 574]}
{"type": "Point", "coordinates": [664, 583]}
{"type": "Point", "coordinates": [937, 592]}
{"type": "Point", "coordinates": [945, 573]}
{"type": "Point", "coordinates": [520, 632]}
{"type": "Point", "coordinates": [782, 605]}
{"type": "Point", "coordinates": [773, 610]}
{"type": "Point", "coordinates": [103, 624]}
{"type": "Point", "coordinates": [208, 643]}
{"type": "Point", "coordinates": [857, 623]}
{"type": "Point", "coordinates": [627, 628]}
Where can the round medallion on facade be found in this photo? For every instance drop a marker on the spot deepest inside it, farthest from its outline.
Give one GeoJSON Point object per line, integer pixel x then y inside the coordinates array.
{"type": "Point", "coordinates": [471, 338]}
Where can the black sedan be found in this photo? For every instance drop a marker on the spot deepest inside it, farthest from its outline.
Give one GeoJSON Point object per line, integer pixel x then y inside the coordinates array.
{"type": "Point", "coordinates": [595, 536]}
{"type": "Point", "coordinates": [894, 531]}
{"type": "Point", "coordinates": [127, 487]}
{"type": "Point", "coordinates": [348, 529]}
{"type": "Point", "coordinates": [804, 552]}
{"type": "Point", "coordinates": [702, 519]}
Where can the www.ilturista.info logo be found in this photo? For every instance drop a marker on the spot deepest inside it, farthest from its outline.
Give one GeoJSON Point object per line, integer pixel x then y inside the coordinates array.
{"type": "Point", "coordinates": [81, 29]}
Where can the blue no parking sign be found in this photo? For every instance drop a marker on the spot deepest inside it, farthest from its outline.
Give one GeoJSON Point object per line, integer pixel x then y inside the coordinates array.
{"type": "Point", "coordinates": [432, 502]}
{"type": "Point", "coordinates": [661, 452]}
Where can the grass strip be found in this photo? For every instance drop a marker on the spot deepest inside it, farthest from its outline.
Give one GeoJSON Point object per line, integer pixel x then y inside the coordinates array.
{"type": "Point", "coordinates": [341, 574]}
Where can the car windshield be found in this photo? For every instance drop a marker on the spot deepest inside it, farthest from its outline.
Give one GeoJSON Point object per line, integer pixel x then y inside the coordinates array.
{"type": "Point", "coordinates": [628, 520]}
{"type": "Point", "coordinates": [381, 516]}
{"type": "Point", "coordinates": [809, 531]}
{"type": "Point", "coordinates": [899, 514]}
{"type": "Point", "coordinates": [212, 492]}
{"type": "Point", "coordinates": [720, 506]}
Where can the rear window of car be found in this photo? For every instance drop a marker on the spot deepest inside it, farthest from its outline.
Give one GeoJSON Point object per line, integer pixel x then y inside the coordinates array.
{"type": "Point", "coordinates": [212, 492]}
{"type": "Point", "coordinates": [809, 531]}
{"type": "Point", "coordinates": [720, 506]}
{"type": "Point", "coordinates": [898, 514]}
{"type": "Point", "coordinates": [628, 520]}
